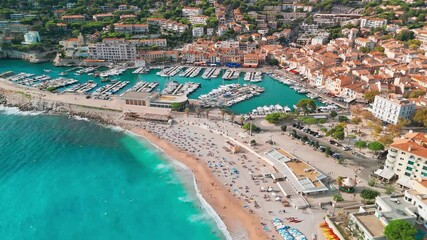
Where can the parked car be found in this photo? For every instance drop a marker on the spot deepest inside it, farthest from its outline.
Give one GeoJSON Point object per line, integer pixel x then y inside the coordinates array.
{"type": "Point", "coordinates": [346, 148]}
{"type": "Point", "coordinates": [336, 155]}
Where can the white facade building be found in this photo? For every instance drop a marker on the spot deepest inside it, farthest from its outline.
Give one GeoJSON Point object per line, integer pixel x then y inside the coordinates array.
{"type": "Point", "coordinates": [391, 110]}
{"type": "Point", "coordinates": [198, 32]}
{"type": "Point", "coordinates": [31, 37]}
{"type": "Point", "coordinates": [113, 50]}
{"type": "Point", "coordinates": [372, 22]}
{"type": "Point", "coordinates": [195, 20]}
{"type": "Point", "coordinates": [191, 11]}
{"type": "Point", "coordinates": [407, 157]}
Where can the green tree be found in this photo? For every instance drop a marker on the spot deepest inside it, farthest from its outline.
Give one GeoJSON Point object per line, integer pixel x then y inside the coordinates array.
{"type": "Point", "coordinates": [333, 114]}
{"type": "Point", "coordinates": [375, 146]}
{"type": "Point", "coordinates": [337, 132]}
{"type": "Point", "coordinates": [421, 116]}
{"type": "Point", "coordinates": [274, 117]}
{"type": "Point", "coordinates": [177, 106]}
{"type": "Point", "coordinates": [404, 35]}
{"type": "Point", "coordinates": [306, 106]}
{"type": "Point", "coordinates": [370, 96]}
{"type": "Point", "coordinates": [360, 144]}
{"type": "Point", "coordinates": [400, 230]}
{"type": "Point", "coordinates": [369, 194]}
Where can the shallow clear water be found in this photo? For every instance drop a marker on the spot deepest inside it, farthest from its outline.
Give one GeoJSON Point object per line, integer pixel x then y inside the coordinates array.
{"type": "Point", "coordinates": [62, 178]}
{"type": "Point", "coordinates": [275, 92]}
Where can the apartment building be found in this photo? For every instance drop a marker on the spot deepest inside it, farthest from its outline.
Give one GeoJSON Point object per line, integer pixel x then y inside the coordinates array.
{"type": "Point", "coordinates": [390, 110]}
{"type": "Point", "coordinates": [159, 42]}
{"type": "Point", "coordinates": [364, 42]}
{"type": "Point", "coordinates": [131, 28]}
{"type": "Point", "coordinates": [159, 56]}
{"type": "Point", "coordinates": [73, 18]}
{"type": "Point", "coordinates": [372, 22]}
{"type": "Point", "coordinates": [407, 156]}
{"type": "Point", "coordinates": [191, 11]}
{"type": "Point", "coordinates": [113, 49]}
{"type": "Point", "coordinates": [198, 20]}
{"type": "Point", "coordinates": [198, 32]}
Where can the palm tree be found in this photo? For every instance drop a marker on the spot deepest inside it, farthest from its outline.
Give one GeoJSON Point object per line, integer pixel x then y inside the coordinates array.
{"type": "Point", "coordinates": [198, 111]}
{"type": "Point", "coordinates": [232, 116]}
{"type": "Point", "coordinates": [187, 111]}
{"type": "Point", "coordinates": [207, 113]}
{"type": "Point", "coordinates": [222, 114]}
{"type": "Point", "coordinates": [242, 119]}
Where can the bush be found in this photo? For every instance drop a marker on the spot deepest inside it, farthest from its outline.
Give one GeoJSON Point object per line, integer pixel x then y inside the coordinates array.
{"type": "Point", "coordinates": [338, 198]}
{"type": "Point", "coordinates": [284, 128]}
{"type": "Point", "coordinates": [369, 194]}
{"type": "Point", "coordinates": [342, 119]}
{"type": "Point", "coordinates": [249, 126]}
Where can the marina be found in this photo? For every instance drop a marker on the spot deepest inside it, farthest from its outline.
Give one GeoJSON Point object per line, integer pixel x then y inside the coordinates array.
{"type": "Point", "coordinates": [230, 74]}
{"type": "Point", "coordinates": [278, 93]}
{"type": "Point", "coordinates": [230, 94]}
{"type": "Point", "coordinates": [112, 72]}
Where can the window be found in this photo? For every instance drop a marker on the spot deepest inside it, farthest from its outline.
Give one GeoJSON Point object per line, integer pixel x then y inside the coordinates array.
{"type": "Point", "coordinates": [408, 174]}
{"type": "Point", "coordinates": [410, 162]}
{"type": "Point", "coordinates": [409, 168]}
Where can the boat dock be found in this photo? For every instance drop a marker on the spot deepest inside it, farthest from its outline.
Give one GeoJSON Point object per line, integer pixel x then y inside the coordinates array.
{"type": "Point", "coordinates": [180, 89]}
{"type": "Point", "coordinates": [140, 70]}
{"type": "Point", "coordinates": [112, 72]}
{"type": "Point", "coordinates": [230, 94]}
{"type": "Point", "coordinates": [82, 87]}
{"type": "Point", "coordinates": [170, 72]}
{"type": "Point", "coordinates": [191, 72]}
{"type": "Point", "coordinates": [55, 83]}
{"type": "Point", "coordinates": [144, 87]}
{"type": "Point", "coordinates": [253, 76]}
{"type": "Point", "coordinates": [230, 75]}
{"type": "Point", "coordinates": [109, 89]}
{"type": "Point", "coordinates": [28, 79]}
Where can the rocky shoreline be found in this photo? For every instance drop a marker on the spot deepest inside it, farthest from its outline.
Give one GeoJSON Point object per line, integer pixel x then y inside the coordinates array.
{"type": "Point", "coordinates": [26, 104]}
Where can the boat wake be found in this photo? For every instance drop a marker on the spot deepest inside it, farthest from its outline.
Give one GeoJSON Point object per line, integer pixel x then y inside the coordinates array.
{"type": "Point", "coordinates": [15, 111]}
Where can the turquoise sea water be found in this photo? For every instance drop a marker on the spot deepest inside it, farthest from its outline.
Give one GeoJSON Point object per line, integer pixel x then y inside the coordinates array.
{"type": "Point", "coordinates": [62, 178]}
{"type": "Point", "coordinates": [275, 92]}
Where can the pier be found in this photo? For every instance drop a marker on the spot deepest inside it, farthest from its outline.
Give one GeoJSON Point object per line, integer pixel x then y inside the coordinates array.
{"type": "Point", "coordinates": [230, 75]}
{"type": "Point", "coordinates": [143, 87]}
{"type": "Point", "coordinates": [170, 72]}
{"type": "Point", "coordinates": [82, 87]}
{"type": "Point", "coordinates": [109, 89]}
{"type": "Point", "coordinates": [253, 76]}
{"type": "Point", "coordinates": [191, 72]}
{"type": "Point", "coordinates": [183, 89]}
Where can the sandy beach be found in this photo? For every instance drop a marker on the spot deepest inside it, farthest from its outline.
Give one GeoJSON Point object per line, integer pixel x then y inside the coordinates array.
{"type": "Point", "coordinates": [227, 207]}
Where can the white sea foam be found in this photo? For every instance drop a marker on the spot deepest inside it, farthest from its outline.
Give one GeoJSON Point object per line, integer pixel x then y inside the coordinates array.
{"type": "Point", "coordinates": [199, 217]}
{"type": "Point", "coordinates": [186, 199]}
{"type": "Point", "coordinates": [81, 118]}
{"type": "Point", "coordinates": [16, 111]}
{"type": "Point", "coordinates": [209, 209]}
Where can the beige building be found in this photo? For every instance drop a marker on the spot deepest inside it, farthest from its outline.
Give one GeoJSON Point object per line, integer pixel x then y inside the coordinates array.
{"type": "Point", "coordinates": [153, 99]}
{"type": "Point", "coordinates": [113, 49]}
